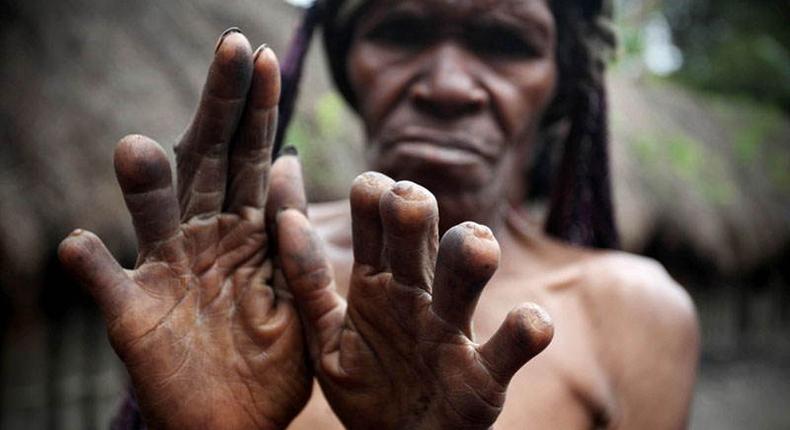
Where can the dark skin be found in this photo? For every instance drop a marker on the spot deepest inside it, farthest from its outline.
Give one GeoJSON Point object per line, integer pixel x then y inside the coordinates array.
{"type": "Point", "coordinates": [208, 340]}
{"type": "Point", "coordinates": [451, 94]}
{"type": "Point", "coordinates": [201, 325]}
{"type": "Point", "coordinates": [400, 351]}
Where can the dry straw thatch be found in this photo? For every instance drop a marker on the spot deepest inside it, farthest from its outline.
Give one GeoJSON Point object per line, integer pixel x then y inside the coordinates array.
{"type": "Point", "coordinates": [76, 75]}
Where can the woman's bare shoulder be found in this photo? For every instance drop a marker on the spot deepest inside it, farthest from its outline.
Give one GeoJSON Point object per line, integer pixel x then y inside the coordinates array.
{"type": "Point", "coordinates": [635, 283]}
{"type": "Point", "coordinates": [625, 294]}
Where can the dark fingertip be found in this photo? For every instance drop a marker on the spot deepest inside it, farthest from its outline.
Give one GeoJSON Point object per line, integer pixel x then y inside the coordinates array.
{"type": "Point", "coordinates": [225, 34]}
{"type": "Point", "coordinates": [533, 327]}
{"type": "Point", "coordinates": [234, 56]}
{"type": "Point", "coordinates": [471, 250]}
{"type": "Point", "coordinates": [141, 164]}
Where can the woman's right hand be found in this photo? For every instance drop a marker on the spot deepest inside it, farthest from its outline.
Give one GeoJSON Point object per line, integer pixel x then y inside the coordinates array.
{"type": "Point", "coordinates": [207, 338]}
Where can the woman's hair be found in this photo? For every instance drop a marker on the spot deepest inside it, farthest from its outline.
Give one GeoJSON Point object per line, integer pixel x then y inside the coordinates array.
{"type": "Point", "coordinates": [571, 168]}
{"type": "Point", "coordinates": [579, 186]}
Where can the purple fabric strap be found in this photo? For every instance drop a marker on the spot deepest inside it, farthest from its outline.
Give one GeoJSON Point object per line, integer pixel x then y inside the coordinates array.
{"type": "Point", "coordinates": [291, 69]}
{"type": "Point", "coordinates": [128, 416]}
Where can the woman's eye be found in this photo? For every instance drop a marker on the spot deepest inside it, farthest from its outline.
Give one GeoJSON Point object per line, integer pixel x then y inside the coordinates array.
{"type": "Point", "coordinates": [501, 42]}
{"type": "Point", "coordinates": [401, 32]}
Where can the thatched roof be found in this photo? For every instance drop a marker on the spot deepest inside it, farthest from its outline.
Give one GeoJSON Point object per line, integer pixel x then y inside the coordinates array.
{"type": "Point", "coordinates": [76, 75]}
{"type": "Point", "coordinates": [699, 172]}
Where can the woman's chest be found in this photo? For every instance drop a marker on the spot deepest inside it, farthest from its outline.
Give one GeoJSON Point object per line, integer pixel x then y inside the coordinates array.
{"type": "Point", "coordinates": [566, 386]}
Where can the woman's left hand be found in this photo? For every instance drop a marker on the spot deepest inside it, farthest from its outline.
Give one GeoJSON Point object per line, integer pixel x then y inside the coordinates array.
{"type": "Point", "coordinates": [400, 353]}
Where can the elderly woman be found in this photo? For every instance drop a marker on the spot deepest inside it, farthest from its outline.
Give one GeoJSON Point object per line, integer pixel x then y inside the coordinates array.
{"type": "Point", "coordinates": [238, 300]}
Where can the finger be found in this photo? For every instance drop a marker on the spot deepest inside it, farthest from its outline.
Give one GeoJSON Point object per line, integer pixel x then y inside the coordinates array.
{"type": "Point", "coordinates": [309, 276]}
{"type": "Point", "coordinates": [468, 257]}
{"type": "Point", "coordinates": [410, 216]}
{"type": "Point", "coordinates": [368, 236]}
{"type": "Point", "coordinates": [84, 255]}
{"type": "Point", "coordinates": [250, 157]}
{"type": "Point", "coordinates": [143, 171]}
{"type": "Point", "coordinates": [527, 331]}
{"type": "Point", "coordinates": [286, 190]}
{"type": "Point", "coordinates": [202, 155]}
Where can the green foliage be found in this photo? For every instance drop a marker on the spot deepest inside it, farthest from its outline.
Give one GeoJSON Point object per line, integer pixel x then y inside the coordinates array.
{"type": "Point", "coordinates": [757, 130]}
{"type": "Point", "coordinates": [329, 115]}
{"type": "Point", "coordinates": [683, 157]}
{"type": "Point", "coordinates": [734, 47]}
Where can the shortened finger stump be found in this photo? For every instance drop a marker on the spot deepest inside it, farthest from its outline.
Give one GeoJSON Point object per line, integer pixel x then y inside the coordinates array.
{"type": "Point", "coordinates": [468, 257]}
{"type": "Point", "coordinates": [526, 332]}
{"type": "Point", "coordinates": [367, 231]}
{"type": "Point", "coordinates": [410, 218]}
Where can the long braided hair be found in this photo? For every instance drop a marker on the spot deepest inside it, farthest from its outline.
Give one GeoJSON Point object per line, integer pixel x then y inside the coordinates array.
{"type": "Point", "coordinates": [581, 209]}
{"type": "Point", "coordinates": [572, 170]}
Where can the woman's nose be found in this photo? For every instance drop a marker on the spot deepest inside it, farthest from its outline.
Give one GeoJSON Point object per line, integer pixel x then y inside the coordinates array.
{"type": "Point", "coordinates": [447, 87]}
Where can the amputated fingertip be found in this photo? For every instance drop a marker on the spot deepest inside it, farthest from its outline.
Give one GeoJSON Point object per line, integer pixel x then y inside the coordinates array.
{"type": "Point", "coordinates": [531, 327]}
{"type": "Point", "coordinates": [408, 207]}
{"type": "Point", "coordinates": [366, 192]}
{"type": "Point", "coordinates": [472, 250]}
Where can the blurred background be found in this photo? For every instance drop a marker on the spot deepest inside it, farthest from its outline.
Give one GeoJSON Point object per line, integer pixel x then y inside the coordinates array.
{"type": "Point", "coordinates": [701, 157]}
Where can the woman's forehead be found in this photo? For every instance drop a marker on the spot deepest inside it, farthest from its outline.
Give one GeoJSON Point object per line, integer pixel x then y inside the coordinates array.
{"type": "Point", "coordinates": [527, 11]}
{"type": "Point", "coordinates": [464, 7]}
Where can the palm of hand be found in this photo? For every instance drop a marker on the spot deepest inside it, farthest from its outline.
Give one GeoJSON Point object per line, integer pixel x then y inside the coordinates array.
{"type": "Point", "coordinates": [206, 338]}
{"type": "Point", "coordinates": [430, 368]}
{"type": "Point", "coordinates": [213, 333]}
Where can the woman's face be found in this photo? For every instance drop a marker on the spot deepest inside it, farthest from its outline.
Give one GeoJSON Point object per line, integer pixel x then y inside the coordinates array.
{"type": "Point", "coordinates": [452, 91]}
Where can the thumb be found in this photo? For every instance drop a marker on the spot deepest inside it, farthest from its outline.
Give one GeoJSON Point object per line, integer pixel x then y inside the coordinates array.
{"type": "Point", "coordinates": [309, 277]}
{"type": "Point", "coordinates": [84, 255]}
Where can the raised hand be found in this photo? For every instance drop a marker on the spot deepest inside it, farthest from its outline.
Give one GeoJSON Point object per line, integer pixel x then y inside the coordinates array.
{"type": "Point", "coordinates": [400, 353]}
{"type": "Point", "coordinates": [208, 340]}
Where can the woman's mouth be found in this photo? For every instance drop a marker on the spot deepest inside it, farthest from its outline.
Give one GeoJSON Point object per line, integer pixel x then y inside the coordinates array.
{"type": "Point", "coordinates": [438, 147]}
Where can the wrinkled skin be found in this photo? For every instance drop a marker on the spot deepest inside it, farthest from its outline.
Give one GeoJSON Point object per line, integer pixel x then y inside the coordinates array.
{"type": "Point", "coordinates": [202, 326]}
{"type": "Point", "coordinates": [452, 94]}
{"type": "Point", "coordinates": [208, 340]}
{"type": "Point", "coordinates": [459, 117]}
{"type": "Point", "coordinates": [399, 353]}
{"type": "Point", "coordinates": [444, 108]}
